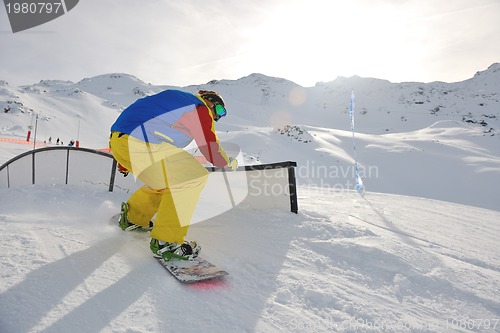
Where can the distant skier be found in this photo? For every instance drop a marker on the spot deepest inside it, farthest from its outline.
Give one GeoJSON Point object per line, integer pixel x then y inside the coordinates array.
{"type": "Point", "coordinates": [147, 140]}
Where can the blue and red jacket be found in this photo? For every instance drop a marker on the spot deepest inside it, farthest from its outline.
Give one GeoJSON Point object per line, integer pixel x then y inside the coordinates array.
{"type": "Point", "coordinates": [176, 117]}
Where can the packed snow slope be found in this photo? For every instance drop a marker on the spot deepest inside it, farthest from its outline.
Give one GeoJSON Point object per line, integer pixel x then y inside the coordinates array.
{"type": "Point", "coordinates": [418, 253]}
{"type": "Point", "coordinates": [382, 263]}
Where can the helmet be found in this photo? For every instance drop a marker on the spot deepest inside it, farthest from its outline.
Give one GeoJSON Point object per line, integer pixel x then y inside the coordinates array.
{"type": "Point", "coordinates": [216, 99]}
{"type": "Point", "coordinates": [211, 96]}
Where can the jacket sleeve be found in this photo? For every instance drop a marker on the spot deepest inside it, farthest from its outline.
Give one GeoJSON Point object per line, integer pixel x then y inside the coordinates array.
{"type": "Point", "coordinates": [200, 125]}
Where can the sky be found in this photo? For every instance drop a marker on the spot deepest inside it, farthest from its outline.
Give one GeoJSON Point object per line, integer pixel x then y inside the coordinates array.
{"type": "Point", "coordinates": [168, 42]}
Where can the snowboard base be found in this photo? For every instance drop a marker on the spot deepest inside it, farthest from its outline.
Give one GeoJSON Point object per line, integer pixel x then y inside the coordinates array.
{"type": "Point", "coordinates": [191, 271]}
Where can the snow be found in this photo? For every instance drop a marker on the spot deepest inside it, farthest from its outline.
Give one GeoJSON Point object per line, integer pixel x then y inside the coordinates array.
{"type": "Point", "coordinates": [344, 262]}
{"type": "Point", "coordinates": [418, 253]}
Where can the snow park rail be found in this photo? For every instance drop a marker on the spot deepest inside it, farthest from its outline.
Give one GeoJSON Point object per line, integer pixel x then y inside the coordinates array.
{"type": "Point", "coordinates": [259, 186]}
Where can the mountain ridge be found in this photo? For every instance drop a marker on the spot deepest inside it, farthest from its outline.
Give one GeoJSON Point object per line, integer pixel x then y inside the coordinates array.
{"type": "Point", "coordinates": [452, 126]}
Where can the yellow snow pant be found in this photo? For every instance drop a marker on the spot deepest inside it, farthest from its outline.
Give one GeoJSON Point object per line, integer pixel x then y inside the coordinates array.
{"type": "Point", "coordinates": [173, 182]}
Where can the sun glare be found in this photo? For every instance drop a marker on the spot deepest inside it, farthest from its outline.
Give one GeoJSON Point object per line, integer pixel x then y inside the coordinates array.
{"type": "Point", "coordinates": [320, 40]}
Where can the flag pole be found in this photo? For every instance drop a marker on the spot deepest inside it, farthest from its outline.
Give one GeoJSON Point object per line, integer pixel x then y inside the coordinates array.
{"type": "Point", "coordinates": [359, 182]}
{"type": "Point", "coordinates": [36, 126]}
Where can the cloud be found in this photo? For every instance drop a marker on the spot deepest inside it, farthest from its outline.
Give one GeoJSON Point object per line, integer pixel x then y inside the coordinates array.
{"type": "Point", "coordinates": [190, 41]}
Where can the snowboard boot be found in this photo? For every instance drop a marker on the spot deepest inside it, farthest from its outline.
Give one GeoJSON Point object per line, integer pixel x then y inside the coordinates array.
{"type": "Point", "coordinates": [172, 251]}
{"type": "Point", "coordinates": [126, 225]}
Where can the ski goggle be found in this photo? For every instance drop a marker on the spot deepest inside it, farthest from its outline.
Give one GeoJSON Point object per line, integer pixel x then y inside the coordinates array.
{"type": "Point", "coordinates": [220, 111]}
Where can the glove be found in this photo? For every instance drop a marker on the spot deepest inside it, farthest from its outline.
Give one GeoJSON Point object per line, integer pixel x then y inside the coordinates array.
{"type": "Point", "coordinates": [123, 170]}
{"type": "Point", "coordinates": [233, 163]}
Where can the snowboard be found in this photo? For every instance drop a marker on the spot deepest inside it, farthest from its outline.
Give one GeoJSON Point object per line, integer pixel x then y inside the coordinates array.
{"type": "Point", "coordinates": [191, 271]}
{"type": "Point", "coordinates": [185, 271]}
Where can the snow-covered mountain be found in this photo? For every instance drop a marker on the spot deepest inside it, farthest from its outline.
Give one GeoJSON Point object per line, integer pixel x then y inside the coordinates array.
{"type": "Point", "coordinates": [453, 127]}
{"type": "Point", "coordinates": [395, 260]}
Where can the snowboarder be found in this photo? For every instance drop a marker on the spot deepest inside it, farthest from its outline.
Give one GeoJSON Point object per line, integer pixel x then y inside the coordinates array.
{"type": "Point", "coordinates": [147, 140]}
